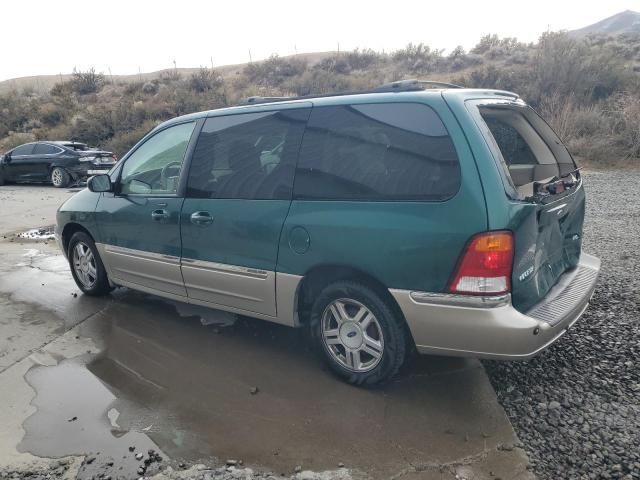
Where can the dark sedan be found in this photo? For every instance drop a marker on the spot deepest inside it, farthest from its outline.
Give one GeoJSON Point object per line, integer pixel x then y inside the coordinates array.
{"type": "Point", "coordinates": [61, 163]}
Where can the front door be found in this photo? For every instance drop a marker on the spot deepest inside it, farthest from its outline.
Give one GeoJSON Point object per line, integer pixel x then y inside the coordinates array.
{"type": "Point", "coordinates": [139, 223]}
{"type": "Point", "coordinates": [238, 196]}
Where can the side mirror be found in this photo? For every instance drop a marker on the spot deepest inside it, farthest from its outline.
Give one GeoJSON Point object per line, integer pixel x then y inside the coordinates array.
{"type": "Point", "coordinates": [100, 183]}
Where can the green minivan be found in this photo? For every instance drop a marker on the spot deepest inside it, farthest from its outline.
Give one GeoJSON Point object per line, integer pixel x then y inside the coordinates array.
{"type": "Point", "coordinates": [416, 216]}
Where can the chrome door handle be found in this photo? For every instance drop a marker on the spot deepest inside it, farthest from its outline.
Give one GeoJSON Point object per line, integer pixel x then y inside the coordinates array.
{"type": "Point", "coordinates": [160, 215]}
{"type": "Point", "coordinates": [201, 218]}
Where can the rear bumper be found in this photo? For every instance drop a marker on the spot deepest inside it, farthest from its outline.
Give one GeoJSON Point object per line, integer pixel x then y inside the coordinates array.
{"type": "Point", "coordinates": [490, 327]}
{"type": "Point", "coordinates": [84, 171]}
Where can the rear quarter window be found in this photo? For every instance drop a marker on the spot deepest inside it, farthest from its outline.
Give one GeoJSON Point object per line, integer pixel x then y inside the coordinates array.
{"type": "Point", "coordinates": [387, 151]}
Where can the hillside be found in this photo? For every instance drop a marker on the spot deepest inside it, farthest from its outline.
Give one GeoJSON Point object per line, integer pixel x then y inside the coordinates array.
{"type": "Point", "coordinates": [44, 83]}
{"type": "Point", "coordinates": [588, 88]}
{"type": "Point", "coordinates": [623, 22]}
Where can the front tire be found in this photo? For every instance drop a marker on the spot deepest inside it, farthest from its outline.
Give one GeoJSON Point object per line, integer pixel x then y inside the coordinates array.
{"type": "Point", "coordinates": [60, 178]}
{"type": "Point", "coordinates": [86, 266]}
{"type": "Point", "coordinates": [358, 333]}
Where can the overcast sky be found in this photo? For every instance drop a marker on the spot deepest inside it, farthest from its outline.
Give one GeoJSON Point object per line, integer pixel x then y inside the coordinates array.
{"type": "Point", "coordinates": [51, 37]}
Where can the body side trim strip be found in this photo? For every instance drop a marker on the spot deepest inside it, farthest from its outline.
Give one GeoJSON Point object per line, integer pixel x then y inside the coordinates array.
{"type": "Point", "coordinates": [160, 257]}
{"type": "Point", "coordinates": [226, 293]}
{"type": "Point", "coordinates": [226, 268]}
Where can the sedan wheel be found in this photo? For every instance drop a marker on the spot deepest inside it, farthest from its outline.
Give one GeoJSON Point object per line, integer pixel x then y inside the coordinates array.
{"type": "Point", "coordinates": [60, 178]}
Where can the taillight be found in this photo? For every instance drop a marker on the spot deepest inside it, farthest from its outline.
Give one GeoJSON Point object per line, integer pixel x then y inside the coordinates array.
{"type": "Point", "coordinates": [486, 265]}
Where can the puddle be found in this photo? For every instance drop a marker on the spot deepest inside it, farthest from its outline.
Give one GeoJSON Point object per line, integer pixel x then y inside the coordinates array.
{"type": "Point", "coordinates": [72, 418]}
{"type": "Point", "coordinates": [191, 391]}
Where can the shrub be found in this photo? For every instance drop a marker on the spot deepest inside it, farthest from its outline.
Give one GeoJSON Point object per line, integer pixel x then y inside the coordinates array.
{"type": "Point", "coordinates": [51, 114]}
{"type": "Point", "coordinates": [362, 59]}
{"type": "Point", "coordinates": [336, 63]}
{"type": "Point", "coordinates": [150, 88]}
{"type": "Point", "coordinates": [274, 70]}
{"type": "Point", "coordinates": [418, 58]}
{"type": "Point", "coordinates": [205, 80]}
{"type": "Point", "coordinates": [133, 88]}
{"type": "Point", "coordinates": [87, 82]}
{"type": "Point", "coordinates": [171, 75]}
{"type": "Point", "coordinates": [625, 113]}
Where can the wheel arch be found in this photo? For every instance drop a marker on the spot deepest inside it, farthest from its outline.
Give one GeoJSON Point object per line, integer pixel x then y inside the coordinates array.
{"type": "Point", "coordinates": [319, 276]}
{"type": "Point", "coordinates": [67, 232]}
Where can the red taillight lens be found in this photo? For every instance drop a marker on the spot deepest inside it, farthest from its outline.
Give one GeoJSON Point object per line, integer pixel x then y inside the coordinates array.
{"type": "Point", "coordinates": [486, 265]}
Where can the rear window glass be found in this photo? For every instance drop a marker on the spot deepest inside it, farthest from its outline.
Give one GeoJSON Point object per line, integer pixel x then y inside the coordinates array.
{"type": "Point", "coordinates": [389, 151]}
{"type": "Point", "coordinates": [514, 148]}
{"type": "Point", "coordinates": [76, 146]}
{"type": "Point", "coordinates": [528, 147]}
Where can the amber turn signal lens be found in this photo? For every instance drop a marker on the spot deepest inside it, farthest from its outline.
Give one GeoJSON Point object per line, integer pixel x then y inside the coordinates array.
{"type": "Point", "coordinates": [495, 242]}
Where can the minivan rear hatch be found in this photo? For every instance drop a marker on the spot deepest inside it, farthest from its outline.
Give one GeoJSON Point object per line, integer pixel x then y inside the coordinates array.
{"type": "Point", "coordinates": [545, 195]}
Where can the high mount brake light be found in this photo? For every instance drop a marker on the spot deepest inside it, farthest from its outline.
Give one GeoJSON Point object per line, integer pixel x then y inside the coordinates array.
{"type": "Point", "coordinates": [486, 265]}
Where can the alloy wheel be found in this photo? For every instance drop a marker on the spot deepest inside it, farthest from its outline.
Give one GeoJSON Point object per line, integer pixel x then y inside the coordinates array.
{"type": "Point", "coordinates": [352, 335]}
{"type": "Point", "coordinates": [56, 177]}
{"type": "Point", "coordinates": [84, 264]}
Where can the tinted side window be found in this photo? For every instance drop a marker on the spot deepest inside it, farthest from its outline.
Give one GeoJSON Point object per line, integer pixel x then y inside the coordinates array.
{"type": "Point", "coordinates": [390, 151]}
{"type": "Point", "coordinates": [44, 149]}
{"type": "Point", "coordinates": [22, 150]}
{"type": "Point", "coordinates": [250, 156]}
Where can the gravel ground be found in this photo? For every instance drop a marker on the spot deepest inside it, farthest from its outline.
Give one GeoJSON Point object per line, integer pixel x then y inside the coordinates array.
{"type": "Point", "coordinates": [576, 407]}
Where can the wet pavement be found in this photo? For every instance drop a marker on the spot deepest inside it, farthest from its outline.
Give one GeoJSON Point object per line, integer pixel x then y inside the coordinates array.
{"type": "Point", "coordinates": [87, 377]}
{"type": "Point", "coordinates": [30, 206]}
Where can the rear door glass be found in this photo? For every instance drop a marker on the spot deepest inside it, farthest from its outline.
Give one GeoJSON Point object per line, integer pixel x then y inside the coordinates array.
{"type": "Point", "coordinates": [44, 149]}
{"type": "Point", "coordinates": [387, 151]}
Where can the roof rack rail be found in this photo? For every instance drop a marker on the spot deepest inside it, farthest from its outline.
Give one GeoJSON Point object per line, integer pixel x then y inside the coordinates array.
{"type": "Point", "coordinates": [258, 99]}
{"type": "Point", "coordinates": [412, 85]}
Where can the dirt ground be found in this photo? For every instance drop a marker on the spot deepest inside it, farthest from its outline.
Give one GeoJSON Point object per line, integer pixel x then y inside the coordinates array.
{"type": "Point", "coordinates": [85, 379]}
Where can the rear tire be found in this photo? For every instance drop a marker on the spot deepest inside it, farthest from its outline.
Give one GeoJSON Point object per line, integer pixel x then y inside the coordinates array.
{"type": "Point", "coordinates": [359, 334]}
{"type": "Point", "coordinates": [60, 178]}
{"type": "Point", "coordinates": [86, 266]}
